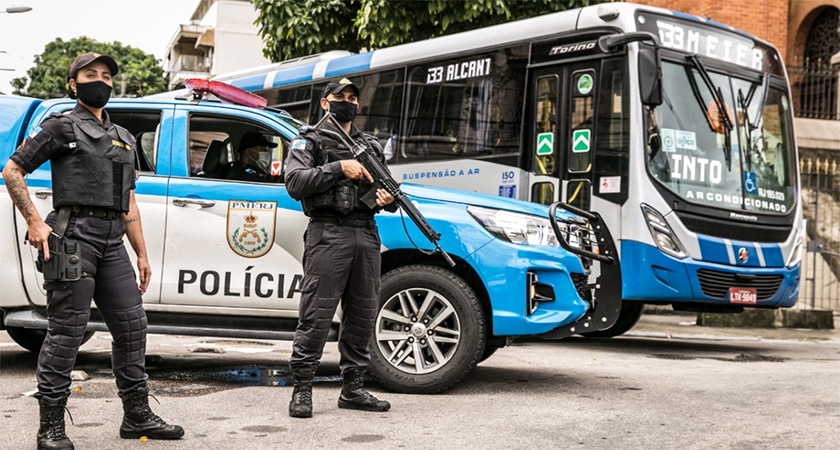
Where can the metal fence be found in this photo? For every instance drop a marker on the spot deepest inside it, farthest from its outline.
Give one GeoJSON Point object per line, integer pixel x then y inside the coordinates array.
{"type": "Point", "coordinates": [815, 91]}
{"type": "Point", "coordinates": [819, 288]}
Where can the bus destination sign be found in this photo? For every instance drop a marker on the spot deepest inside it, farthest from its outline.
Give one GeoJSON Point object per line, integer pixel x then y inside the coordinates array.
{"type": "Point", "coordinates": [705, 41]}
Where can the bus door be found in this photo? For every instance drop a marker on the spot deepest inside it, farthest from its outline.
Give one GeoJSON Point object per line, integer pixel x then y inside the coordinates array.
{"type": "Point", "coordinates": [561, 144]}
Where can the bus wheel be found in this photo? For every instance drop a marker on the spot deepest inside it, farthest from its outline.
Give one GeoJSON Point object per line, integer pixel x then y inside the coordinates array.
{"type": "Point", "coordinates": [429, 331]}
{"type": "Point", "coordinates": [31, 338]}
{"type": "Point", "coordinates": [627, 318]}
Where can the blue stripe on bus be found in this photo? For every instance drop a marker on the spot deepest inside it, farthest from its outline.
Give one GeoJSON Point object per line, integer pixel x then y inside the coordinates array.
{"type": "Point", "coordinates": [349, 64]}
{"type": "Point", "coordinates": [727, 252]}
{"type": "Point", "coordinates": [653, 276]}
{"type": "Point", "coordinates": [252, 83]}
{"type": "Point", "coordinates": [293, 75]}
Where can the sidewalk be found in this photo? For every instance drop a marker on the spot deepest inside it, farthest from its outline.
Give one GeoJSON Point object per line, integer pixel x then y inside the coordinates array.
{"type": "Point", "coordinates": [684, 325]}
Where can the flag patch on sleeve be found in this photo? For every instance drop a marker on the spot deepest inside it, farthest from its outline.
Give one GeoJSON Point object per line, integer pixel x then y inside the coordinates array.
{"type": "Point", "coordinates": [299, 144]}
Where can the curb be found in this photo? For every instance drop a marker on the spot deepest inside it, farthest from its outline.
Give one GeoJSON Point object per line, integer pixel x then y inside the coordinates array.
{"type": "Point", "coordinates": [769, 318]}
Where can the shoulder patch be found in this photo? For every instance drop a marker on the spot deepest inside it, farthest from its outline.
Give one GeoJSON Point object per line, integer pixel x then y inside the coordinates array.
{"type": "Point", "coordinates": [298, 144]}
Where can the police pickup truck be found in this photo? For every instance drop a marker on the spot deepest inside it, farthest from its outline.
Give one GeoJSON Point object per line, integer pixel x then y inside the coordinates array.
{"type": "Point", "coordinates": [226, 255]}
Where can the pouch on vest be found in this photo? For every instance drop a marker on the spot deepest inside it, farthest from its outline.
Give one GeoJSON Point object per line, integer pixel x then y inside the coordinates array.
{"type": "Point", "coordinates": [369, 199]}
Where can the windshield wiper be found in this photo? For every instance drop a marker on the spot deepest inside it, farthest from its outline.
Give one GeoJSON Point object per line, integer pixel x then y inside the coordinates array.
{"type": "Point", "coordinates": [744, 102]}
{"type": "Point", "coordinates": [717, 96]}
{"type": "Point", "coordinates": [752, 123]}
{"type": "Point", "coordinates": [765, 86]}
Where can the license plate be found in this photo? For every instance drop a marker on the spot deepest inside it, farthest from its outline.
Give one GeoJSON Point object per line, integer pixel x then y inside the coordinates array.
{"type": "Point", "coordinates": [743, 296]}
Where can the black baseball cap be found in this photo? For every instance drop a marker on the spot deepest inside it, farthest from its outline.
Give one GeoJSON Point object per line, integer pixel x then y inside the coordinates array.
{"type": "Point", "coordinates": [253, 139]}
{"type": "Point", "coordinates": [334, 87]}
{"type": "Point", "coordinates": [87, 58]}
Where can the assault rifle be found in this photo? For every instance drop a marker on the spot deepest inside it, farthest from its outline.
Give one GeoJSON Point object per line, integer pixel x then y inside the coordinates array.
{"type": "Point", "coordinates": [382, 179]}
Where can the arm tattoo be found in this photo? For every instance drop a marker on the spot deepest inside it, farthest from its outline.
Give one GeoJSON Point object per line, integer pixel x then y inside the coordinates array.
{"type": "Point", "coordinates": [129, 220]}
{"type": "Point", "coordinates": [16, 187]}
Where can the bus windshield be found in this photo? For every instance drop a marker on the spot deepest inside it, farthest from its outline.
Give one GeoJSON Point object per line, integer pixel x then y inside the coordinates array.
{"type": "Point", "coordinates": [741, 161]}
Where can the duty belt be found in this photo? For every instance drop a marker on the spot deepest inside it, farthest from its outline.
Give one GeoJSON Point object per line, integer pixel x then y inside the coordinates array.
{"type": "Point", "coordinates": [345, 221]}
{"type": "Point", "coordinates": [95, 211]}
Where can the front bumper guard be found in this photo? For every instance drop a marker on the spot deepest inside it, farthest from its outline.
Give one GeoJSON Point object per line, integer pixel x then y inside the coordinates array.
{"type": "Point", "coordinates": [595, 243]}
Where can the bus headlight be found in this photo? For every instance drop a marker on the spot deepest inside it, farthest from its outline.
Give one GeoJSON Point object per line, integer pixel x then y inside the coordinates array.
{"type": "Point", "coordinates": [515, 227]}
{"type": "Point", "coordinates": [662, 234]}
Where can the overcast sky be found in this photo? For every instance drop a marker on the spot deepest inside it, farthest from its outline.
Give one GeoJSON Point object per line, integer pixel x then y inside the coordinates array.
{"type": "Point", "coordinates": [145, 24]}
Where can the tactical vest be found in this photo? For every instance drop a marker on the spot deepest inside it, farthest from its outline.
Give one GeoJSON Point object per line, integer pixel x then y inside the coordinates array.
{"type": "Point", "coordinates": [99, 171]}
{"type": "Point", "coordinates": [343, 197]}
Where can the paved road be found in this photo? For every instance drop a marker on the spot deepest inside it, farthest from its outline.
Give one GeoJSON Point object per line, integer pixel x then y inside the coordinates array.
{"type": "Point", "coordinates": [666, 385]}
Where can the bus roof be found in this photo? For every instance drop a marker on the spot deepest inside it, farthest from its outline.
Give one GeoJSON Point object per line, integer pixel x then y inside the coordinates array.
{"type": "Point", "coordinates": [332, 64]}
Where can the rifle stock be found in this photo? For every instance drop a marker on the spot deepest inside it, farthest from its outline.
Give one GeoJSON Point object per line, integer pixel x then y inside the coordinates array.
{"type": "Point", "coordinates": [382, 179]}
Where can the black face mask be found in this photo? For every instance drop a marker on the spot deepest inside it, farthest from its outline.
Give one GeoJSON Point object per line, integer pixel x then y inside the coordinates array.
{"type": "Point", "coordinates": [343, 111]}
{"type": "Point", "coordinates": [95, 93]}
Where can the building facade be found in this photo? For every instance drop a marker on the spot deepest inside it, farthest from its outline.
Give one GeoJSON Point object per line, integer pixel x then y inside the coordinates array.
{"type": "Point", "coordinates": [221, 37]}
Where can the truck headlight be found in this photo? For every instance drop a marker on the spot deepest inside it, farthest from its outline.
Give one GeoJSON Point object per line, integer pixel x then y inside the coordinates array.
{"type": "Point", "coordinates": [515, 227]}
{"type": "Point", "coordinates": [662, 234]}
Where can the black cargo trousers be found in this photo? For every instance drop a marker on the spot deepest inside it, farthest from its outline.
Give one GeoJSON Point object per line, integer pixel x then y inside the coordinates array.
{"type": "Point", "coordinates": [112, 284]}
{"type": "Point", "coordinates": [341, 265]}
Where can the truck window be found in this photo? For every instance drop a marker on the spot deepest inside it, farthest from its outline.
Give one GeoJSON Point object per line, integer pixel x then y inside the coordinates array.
{"type": "Point", "coordinates": [214, 148]}
{"type": "Point", "coordinates": [145, 126]}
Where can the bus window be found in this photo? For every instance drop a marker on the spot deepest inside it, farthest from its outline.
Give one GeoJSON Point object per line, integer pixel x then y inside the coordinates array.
{"type": "Point", "coordinates": [296, 101]}
{"type": "Point", "coordinates": [577, 193]}
{"type": "Point", "coordinates": [546, 124]}
{"type": "Point", "coordinates": [543, 193]}
{"type": "Point", "coordinates": [612, 136]}
{"type": "Point", "coordinates": [582, 121]}
{"type": "Point", "coordinates": [469, 107]}
{"type": "Point", "coordinates": [380, 104]}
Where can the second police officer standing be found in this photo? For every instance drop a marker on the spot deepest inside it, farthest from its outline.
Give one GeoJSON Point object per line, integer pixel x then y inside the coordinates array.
{"type": "Point", "coordinates": [341, 260]}
{"type": "Point", "coordinates": [93, 180]}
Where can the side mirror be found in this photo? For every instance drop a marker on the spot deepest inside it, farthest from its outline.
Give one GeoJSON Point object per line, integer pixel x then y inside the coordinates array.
{"type": "Point", "coordinates": [650, 68]}
{"type": "Point", "coordinates": [650, 76]}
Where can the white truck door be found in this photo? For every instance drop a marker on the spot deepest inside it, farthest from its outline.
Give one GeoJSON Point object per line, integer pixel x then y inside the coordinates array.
{"type": "Point", "coordinates": [229, 244]}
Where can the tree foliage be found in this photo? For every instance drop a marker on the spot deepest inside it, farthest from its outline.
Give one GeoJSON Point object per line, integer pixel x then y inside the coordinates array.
{"type": "Point", "coordinates": [140, 73]}
{"type": "Point", "coordinates": [295, 28]}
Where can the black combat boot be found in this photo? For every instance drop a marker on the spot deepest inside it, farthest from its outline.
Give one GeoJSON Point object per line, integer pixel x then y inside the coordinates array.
{"type": "Point", "coordinates": [139, 420]}
{"type": "Point", "coordinates": [51, 434]}
{"type": "Point", "coordinates": [354, 395]}
{"type": "Point", "coordinates": [301, 404]}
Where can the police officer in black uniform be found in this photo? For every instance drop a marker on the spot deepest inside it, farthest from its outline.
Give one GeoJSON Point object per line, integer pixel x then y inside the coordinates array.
{"type": "Point", "coordinates": [341, 261]}
{"type": "Point", "coordinates": [82, 254]}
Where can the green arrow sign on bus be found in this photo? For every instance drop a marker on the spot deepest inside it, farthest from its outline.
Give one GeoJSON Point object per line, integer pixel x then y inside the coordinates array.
{"type": "Point", "coordinates": [545, 144]}
{"type": "Point", "coordinates": [580, 141]}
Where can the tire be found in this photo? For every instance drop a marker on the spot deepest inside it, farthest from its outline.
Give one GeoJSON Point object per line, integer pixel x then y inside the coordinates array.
{"type": "Point", "coordinates": [488, 352]}
{"type": "Point", "coordinates": [627, 318]}
{"type": "Point", "coordinates": [31, 338]}
{"type": "Point", "coordinates": [429, 332]}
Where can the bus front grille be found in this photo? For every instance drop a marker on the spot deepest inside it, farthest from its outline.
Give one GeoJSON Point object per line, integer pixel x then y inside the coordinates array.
{"type": "Point", "coordinates": [716, 284]}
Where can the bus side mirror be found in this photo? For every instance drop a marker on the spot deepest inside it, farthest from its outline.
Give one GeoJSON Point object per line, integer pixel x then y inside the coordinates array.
{"type": "Point", "coordinates": [650, 76]}
{"type": "Point", "coordinates": [650, 69]}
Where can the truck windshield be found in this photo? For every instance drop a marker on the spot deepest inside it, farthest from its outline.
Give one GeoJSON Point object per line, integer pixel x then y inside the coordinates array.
{"type": "Point", "coordinates": [740, 161]}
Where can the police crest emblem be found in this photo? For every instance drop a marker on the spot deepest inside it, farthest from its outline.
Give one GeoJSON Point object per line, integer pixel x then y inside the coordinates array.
{"type": "Point", "coordinates": [250, 227]}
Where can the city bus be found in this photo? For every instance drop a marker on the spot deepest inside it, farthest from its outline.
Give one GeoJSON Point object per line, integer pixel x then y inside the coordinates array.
{"type": "Point", "coordinates": [677, 129]}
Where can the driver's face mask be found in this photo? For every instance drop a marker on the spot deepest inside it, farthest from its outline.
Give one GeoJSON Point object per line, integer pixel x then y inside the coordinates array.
{"type": "Point", "coordinates": [264, 160]}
